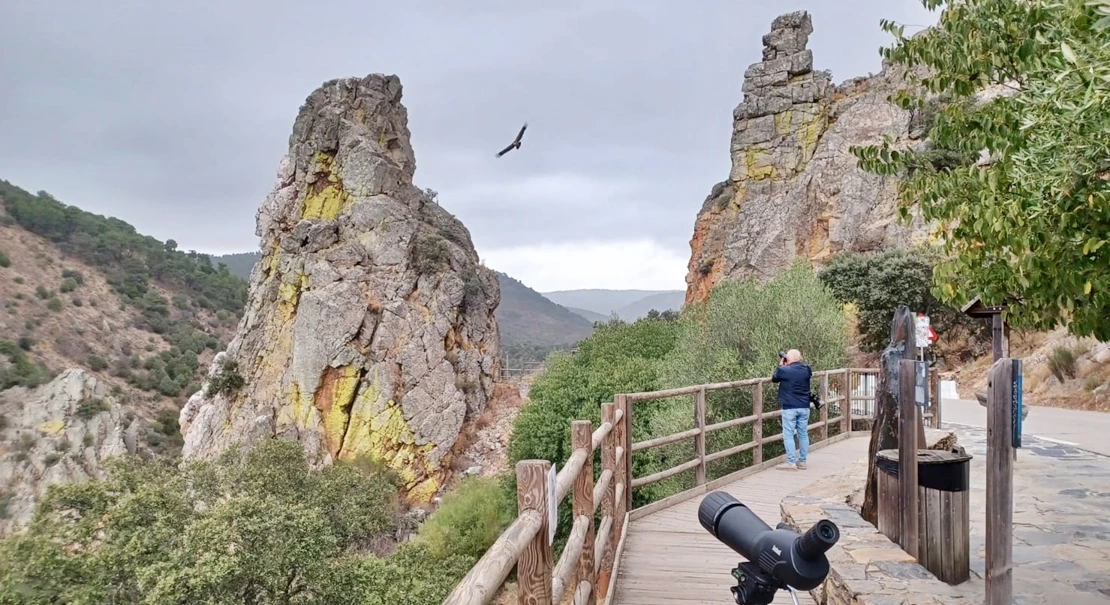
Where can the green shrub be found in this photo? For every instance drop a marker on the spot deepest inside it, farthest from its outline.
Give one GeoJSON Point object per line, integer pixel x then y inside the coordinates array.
{"type": "Point", "coordinates": [1061, 362]}
{"type": "Point", "coordinates": [68, 285]}
{"type": "Point", "coordinates": [54, 304]}
{"type": "Point", "coordinates": [733, 335]}
{"type": "Point", "coordinates": [51, 458]}
{"type": "Point", "coordinates": [42, 292]}
{"type": "Point", "coordinates": [77, 302]}
{"type": "Point", "coordinates": [4, 260]}
{"type": "Point", "coordinates": [879, 284]}
{"type": "Point", "coordinates": [429, 254]}
{"type": "Point", "coordinates": [76, 276]}
{"type": "Point", "coordinates": [21, 371]}
{"type": "Point", "coordinates": [19, 280]}
{"type": "Point", "coordinates": [227, 378]}
{"type": "Point", "coordinates": [89, 408]}
{"type": "Point", "coordinates": [468, 519]}
{"type": "Point", "coordinates": [97, 363]}
{"type": "Point", "coordinates": [26, 343]}
{"type": "Point", "coordinates": [268, 526]}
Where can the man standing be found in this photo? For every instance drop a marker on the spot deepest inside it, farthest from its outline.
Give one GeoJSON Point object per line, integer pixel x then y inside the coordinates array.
{"type": "Point", "coordinates": [794, 388]}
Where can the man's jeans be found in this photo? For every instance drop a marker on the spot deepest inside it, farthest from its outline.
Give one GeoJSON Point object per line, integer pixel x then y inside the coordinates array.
{"type": "Point", "coordinates": [795, 420]}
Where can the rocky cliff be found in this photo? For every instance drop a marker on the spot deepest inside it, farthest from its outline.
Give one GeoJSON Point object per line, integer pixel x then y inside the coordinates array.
{"type": "Point", "coordinates": [794, 189]}
{"type": "Point", "coordinates": [60, 432]}
{"type": "Point", "coordinates": [369, 328]}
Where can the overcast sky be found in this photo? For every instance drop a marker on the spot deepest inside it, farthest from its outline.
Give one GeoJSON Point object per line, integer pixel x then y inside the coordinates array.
{"type": "Point", "coordinates": [173, 115]}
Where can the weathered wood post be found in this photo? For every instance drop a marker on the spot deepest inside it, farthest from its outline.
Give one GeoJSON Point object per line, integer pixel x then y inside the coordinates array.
{"type": "Point", "coordinates": [884, 432]}
{"type": "Point", "coordinates": [907, 457]}
{"type": "Point", "coordinates": [1000, 484]}
{"type": "Point", "coordinates": [846, 402]}
{"type": "Point", "coordinates": [533, 569]}
{"type": "Point", "coordinates": [757, 426]}
{"type": "Point", "coordinates": [582, 438]}
{"type": "Point", "coordinates": [608, 502]}
{"type": "Point", "coordinates": [824, 415]}
{"type": "Point", "coordinates": [699, 441]}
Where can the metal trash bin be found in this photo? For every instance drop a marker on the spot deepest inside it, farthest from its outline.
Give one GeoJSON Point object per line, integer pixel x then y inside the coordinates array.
{"type": "Point", "coordinates": [943, 480]}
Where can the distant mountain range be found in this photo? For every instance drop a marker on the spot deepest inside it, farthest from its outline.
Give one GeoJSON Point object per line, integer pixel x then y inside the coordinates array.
{"type": "Point", "coordinates": [629, 305]}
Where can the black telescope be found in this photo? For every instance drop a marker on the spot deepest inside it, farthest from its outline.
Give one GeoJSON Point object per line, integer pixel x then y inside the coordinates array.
{"type": "Point", "coordinates": [777, 558]}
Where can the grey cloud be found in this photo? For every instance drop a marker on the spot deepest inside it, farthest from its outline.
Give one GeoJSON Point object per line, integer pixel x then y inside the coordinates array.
{"type": "Point", "coordinates": [173, 115]}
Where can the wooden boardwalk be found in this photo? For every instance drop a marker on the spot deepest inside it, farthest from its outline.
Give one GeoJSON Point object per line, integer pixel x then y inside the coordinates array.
{"type": "Point", "coordinates": [669, 559]}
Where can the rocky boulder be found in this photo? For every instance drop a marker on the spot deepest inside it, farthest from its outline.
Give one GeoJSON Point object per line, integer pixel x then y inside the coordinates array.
{"type": "Point", "coordinates": [369, 329]}
{"type": "Point", "coordinates": [794, 190]}
{"type": "Point", "coordinates": [60, 432]}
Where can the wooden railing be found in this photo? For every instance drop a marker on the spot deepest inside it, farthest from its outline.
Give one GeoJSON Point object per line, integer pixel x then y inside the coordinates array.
{"type": "Point", "coordinates": [586, 569]}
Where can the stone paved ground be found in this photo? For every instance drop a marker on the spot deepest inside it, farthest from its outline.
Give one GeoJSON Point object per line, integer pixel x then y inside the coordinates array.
{"type": "Point", "coordinates": [1061, 521]}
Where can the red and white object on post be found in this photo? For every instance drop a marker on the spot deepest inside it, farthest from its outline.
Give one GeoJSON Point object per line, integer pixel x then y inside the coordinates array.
{"type": "Point", "coordinates": [925, 332]}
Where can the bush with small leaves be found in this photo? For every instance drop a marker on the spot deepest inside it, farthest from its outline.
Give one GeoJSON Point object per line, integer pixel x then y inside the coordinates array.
{"type": "Point", "coordinates": [1061, 362]}
{"type": "Point", "coordinates": [5, 261]}
{"type": "Point", "coordinates": [54, 304]}
{"type": "Point", "coordinates": [51, 459]}
{"type": "Point", "coordinates": [68, 285]}
{"type": "Point", "coordinates": [468, 520]}
{"type": "Point", "coordinates": [227, 379]}
{"type": "Point", "coordinates": [91, 407]}
{"type": "Point", "coordinates": [97, 363]}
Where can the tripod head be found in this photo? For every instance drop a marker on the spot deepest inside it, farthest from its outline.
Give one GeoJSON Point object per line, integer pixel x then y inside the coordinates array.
{"type": "Point", "coordinates": [778, 558]}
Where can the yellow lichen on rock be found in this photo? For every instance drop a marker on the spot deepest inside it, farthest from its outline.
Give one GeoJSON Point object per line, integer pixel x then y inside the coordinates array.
{"type": "Point", "coordinates": [378, 431]}
{"type": "Point", "coordinates": [52, 427]}
{"type": "Point", "coordinates": [811, 132]}
{"type": "Point", "coordinates": [782, 122]}
{"type": "Point", "coordinates": [334, 398]}
{"type": "Point", "coordinates": [756, 169]}
{"type": "Point", "coordinates": [325, 198]}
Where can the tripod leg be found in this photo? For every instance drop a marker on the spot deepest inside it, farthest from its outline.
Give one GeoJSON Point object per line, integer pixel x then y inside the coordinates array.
{"type": "Point", "coordinates": [793, 594]}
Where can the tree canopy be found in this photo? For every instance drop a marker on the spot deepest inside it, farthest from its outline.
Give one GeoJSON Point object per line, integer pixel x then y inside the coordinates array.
{"type": "Point", "coordinates": [1024, 109]}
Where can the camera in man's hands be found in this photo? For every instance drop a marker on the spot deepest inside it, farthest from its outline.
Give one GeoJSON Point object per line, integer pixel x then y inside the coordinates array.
{"type": "Point", "coordinates": [776, 559]}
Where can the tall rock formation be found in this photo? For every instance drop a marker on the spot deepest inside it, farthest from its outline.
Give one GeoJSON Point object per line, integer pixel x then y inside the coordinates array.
{"type": "Point", "coordinates": [60, 432]}
{"type": "Point", "coordinates": [369, 328]}
{"type": "Point", "coordinates": [794, 189]}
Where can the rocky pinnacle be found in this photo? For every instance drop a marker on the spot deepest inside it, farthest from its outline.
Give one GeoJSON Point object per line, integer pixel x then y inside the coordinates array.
{"type": "Point", "coordinates": [794, 189]}
{"type": "Point", "coordinates": [369, 330]}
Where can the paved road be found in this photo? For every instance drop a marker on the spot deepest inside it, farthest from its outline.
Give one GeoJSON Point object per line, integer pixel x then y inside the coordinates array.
{"type": "Point", "coordinates": [1088, 430]}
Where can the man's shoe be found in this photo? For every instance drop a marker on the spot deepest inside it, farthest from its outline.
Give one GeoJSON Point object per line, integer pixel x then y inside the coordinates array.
{"type": "Point", "coordinates": [801, 465]}
{"type": "Point", "coordinates": [786, 466]}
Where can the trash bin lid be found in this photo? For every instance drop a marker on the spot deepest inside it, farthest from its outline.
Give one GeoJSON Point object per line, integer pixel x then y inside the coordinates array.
{"type": "Point", "coordinates": [942, 470]}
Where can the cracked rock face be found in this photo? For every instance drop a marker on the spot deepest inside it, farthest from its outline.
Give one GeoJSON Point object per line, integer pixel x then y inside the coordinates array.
{"type": "Point", "coordinates": [794, 189]}
{"type": "Point", "coordinates": [60, 432]}
{"type": "Point", "coordinates": [369, 329]}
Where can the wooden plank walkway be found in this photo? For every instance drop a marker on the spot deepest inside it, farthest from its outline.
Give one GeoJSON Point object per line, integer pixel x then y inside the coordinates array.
{"type": "Point", "coordinates": [669, 558]}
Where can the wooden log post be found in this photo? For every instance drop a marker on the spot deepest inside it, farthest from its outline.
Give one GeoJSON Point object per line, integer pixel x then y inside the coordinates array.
{"type": "Point", "coordinates": [1000, 485]}
{"type": "Point", "coordinates": [757, 426]}
{"type": "Point", "coordinates": [823, 432]}
{"type": "Point", "coordinates": [699, 441]}
{"type": "Point", "coordinates": [626, 463]}
{"type": "Point", "coordinates": [846, 402]}
{"type": "Point", "coordinates": [533, 569]}
{"type": "Point", "coordinates": [907, 457]}
{"type": "Point", "coordinates": [884, 432]}
{"type": "Point", "coordinates": [582, 438]}
{"type": "Point", "coordinates": [608, 502]}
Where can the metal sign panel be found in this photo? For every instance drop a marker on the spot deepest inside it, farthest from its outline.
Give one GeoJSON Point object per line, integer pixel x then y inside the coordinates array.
{"type": "Point", "coordinates": [924, 333]}
{"type": "Point", "coordinates": [921, 384]}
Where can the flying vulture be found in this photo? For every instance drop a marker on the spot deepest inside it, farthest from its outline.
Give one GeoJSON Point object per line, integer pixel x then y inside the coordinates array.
{"type": "Point", "coordinates": [516, 142]}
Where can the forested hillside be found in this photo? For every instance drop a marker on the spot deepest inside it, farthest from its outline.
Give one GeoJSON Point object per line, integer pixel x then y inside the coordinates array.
{"type": "Point", "coordinates": [84, 290]}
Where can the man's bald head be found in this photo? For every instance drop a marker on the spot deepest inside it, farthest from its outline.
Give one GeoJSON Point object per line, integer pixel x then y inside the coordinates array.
{"type": "Point", "coordinates": [793, 355]}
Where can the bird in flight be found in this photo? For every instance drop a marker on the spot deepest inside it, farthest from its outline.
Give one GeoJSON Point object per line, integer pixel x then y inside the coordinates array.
{"type": "Point", "coordinates": [516, 142]}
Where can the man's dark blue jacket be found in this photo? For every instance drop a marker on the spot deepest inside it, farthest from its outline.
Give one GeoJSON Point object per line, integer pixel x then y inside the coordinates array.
{"type": "Point", "coordinates": [794, 390]}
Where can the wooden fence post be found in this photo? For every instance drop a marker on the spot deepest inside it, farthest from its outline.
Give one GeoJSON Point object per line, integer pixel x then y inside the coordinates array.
{"type": "Point", "coordinates": [582, 438]}
{"type": "Point", "coordinates": [824, 415]}
{"type": "Point", "coordinates": [699, 441]}
{"type": "Point", "coordinates": [1000, 484]}
{"type": "Point", "coordinates": [625, 461]}
{"type": "Point", "coordinates": [907, 456]}
{"type": "Point", "coordinates": [757, 427]}
{"type": "Point", "coordinates": [608, 502]}
{"type": "Point", "coordinates": [846, 402]}
{"type": "Point", "coordinates": [533, 569]}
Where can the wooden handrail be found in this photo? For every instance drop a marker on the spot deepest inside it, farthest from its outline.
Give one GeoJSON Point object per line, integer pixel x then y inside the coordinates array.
{"type": "Point", "coordinates": [587, 567]}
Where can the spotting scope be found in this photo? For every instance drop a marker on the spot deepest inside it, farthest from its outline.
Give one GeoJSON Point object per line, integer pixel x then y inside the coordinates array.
{"type": "Point", "coordinates": [776, 558]}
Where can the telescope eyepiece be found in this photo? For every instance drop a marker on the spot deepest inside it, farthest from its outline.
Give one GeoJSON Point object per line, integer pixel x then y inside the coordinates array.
{"type": "Point", "coordinates": [818, 540]}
